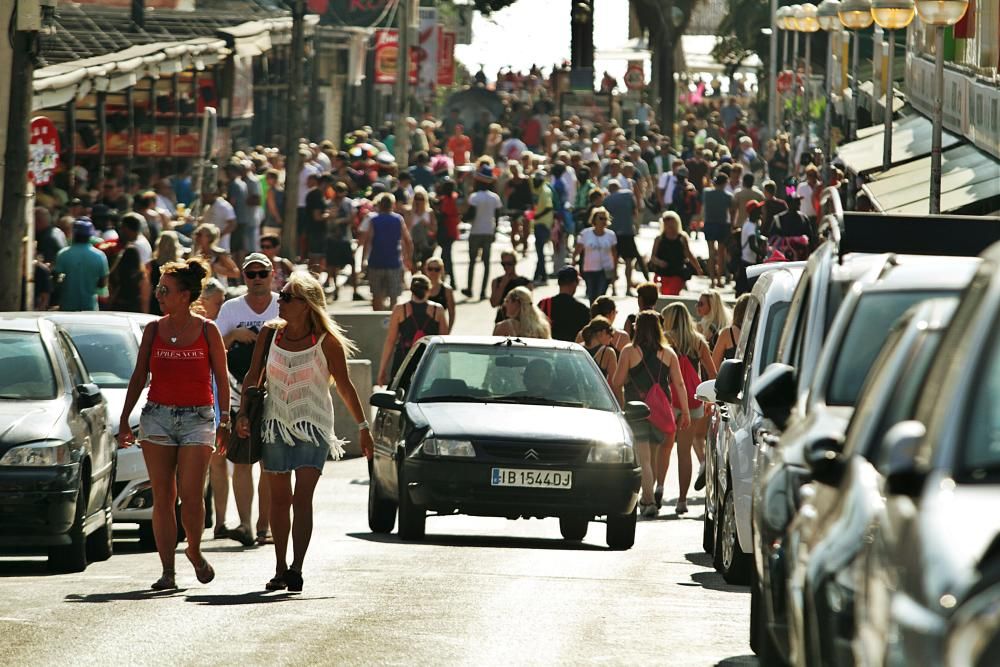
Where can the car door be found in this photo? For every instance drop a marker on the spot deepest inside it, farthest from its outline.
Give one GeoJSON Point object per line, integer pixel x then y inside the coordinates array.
{"type": "Point", "coordinates": [391, 425]}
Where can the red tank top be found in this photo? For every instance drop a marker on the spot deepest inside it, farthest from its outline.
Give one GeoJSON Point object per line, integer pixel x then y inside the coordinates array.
{"type": "Point", "coordinates": [182, 376]}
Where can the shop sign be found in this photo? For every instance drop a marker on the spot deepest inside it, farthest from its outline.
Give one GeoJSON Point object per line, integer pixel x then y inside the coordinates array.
{"type": "Point", "coordinates": [387, 57]}
{"type": "Point", "coordinates": [185, 145]}
{"type": "Point", "coordinates": [446, 58]}
{"type": "Point", "coordinates": [43, 154]}
{"type": "Point", "coordinates": [155, 143]}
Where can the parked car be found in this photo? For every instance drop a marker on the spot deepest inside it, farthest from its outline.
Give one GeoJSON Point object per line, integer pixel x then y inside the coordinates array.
{"type": "Point", "coordinates": [729, 448]}
{"type": "Point", "coordinates": [840, 505]}
{"type": "Point", "coordinates": [57, 455]}
{"type": "Point", "coordinates": [516, 428]}
{"type": "Point", "coordinates": [928, 591]}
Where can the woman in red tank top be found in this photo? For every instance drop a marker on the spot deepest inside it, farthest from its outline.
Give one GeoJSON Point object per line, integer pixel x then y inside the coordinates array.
{"type": "Point", "coordinates": [182, 351]}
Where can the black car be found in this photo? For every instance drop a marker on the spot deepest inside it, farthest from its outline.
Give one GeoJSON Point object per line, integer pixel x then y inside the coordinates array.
{"type": "Point", "coordinates": [57, 455]}
{"type": "Point", "coordinates": [503, 427]}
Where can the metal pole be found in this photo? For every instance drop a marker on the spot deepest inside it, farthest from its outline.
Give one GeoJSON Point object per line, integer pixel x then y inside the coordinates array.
{"type": "Point", "coordinates": [853, 120]}
{"type": "Point", "coordinates": [887, 139]}
{"type": "Point", "coordinates": [403, 85]}
{"type": "Point", "coordinates": [786, 56]}
{"type": "Point", "coordinates": [772, 89]}
{"type": "Point", "coordinates": [807, 37]}
{"type": "Point", "coordinates": [293, 125]}
{"type": "Point", "coordinates": [795, 74]}
{"type": "Point", "coordinates": [935, 205]}
{"type": "Point", "coordinates": [828, 116]}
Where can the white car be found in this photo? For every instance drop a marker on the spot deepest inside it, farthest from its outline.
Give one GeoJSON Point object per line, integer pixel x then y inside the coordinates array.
{"type": "Point", "coordinates": [729, 459]}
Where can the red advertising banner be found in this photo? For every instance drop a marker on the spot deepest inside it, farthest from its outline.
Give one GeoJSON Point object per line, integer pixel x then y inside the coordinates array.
{"type": "Point", "coordinates": [185, 144]}
{"type": "Point", "coordinates": [43, 150]}
{"type": "Point", "coordinates": [155, 143]}
{"type": "Point", "coordinates": [446, 58]}
{"type": "Point", "coordinates": [118, 143]}
{"type": "Point", "coordinates": [387, 57]}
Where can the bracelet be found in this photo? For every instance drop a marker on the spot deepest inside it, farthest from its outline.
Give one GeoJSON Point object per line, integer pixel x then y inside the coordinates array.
{"type": "Point", "coordinates": [364, 426]}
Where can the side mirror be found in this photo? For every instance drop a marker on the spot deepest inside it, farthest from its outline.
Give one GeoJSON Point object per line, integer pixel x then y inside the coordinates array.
{"type": "Point", "coordinates": [706, 391]}
{"type": "Point", "coordinates": [87, 395]}
{"type": "Point", "coordinates": [823, 456]}
{"type": "Point", "coordinates": [385, 400]}
{"type": "Point", "coordinates": [903, 475]}
{"type": "Point", "coordinates": [636, 411]}
{"type": "Point", "coordinates": [775, 393]}
{"type": "Point", "coordinates": [729, 381]}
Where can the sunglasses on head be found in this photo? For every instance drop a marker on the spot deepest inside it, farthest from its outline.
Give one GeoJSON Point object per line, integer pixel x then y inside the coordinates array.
{"type": "Point", "coordinates": [286, 297]}
{"type": "Point", "coordinates": [264, 273]}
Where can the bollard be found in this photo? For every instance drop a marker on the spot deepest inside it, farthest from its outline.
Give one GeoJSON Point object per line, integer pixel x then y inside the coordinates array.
{"type": "Point", "coordinates": [344, 424]}
{"type": "Point", "coordinates": [367, 330]}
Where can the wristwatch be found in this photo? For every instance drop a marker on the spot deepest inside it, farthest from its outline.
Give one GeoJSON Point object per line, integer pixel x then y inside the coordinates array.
{"type": "Point", "coordinates": [364, 426]}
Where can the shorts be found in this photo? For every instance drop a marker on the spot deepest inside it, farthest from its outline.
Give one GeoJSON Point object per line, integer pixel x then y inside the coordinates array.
{"type": "Point", "coordinates": [316, 238]}
{"type": "Point", "coordinates": [696, 413]}
{"type": "Point", "coordinates": [715, 231]}
{"type": "Point", "coordinates": [178, 426]}
{"type": "Point", "coordinates": [644, 431]}
{"type": "Point", "coordinates": [281, 456]}
{"type": "Point", "coordinates": [627, 248]}
{"type": "Point", "coordinates": [339, 253]}
{"type": "Point", "coordinates": [385, 282]}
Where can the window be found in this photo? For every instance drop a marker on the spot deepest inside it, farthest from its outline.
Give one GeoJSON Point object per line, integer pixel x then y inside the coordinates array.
{"type": "Point", "coordinates": [980, 459]}
{"type": "Point", "coordinates": [109, 353]}
{"type": "Point", "coordinates": [77, 374]}
{"type": "Point", "coordinates": [772, 331]}
{"type": "Point", "coordinates": [27, 371]}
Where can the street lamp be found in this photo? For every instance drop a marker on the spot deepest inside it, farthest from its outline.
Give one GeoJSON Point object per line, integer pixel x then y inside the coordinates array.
{"type": "Point", "coordinates": [792, 26]}
{"type": "Point", "coordinates": [779, 21]}
{"type": "Point", "coordinates": [939, 14]}
{"type": "Point", "coordinates": [807, 22]}
{"type": "Point", "coordinates": [826, 14]}
{"type": "Point", "coordinates": [891, 15]}
{"type": "Point", "coordinates": [855, 15]}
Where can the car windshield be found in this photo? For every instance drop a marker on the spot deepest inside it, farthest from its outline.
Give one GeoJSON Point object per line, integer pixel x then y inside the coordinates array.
{"type": "Point", "coordinates": [867, 330]}
{"type": "Point", "coordinates": [503, 374]}
{"type": "Point", "coordinates": [27, 372]}
{"type": "Point", "coordinates": [981, 455]}
{"type": "Point", "coordinates": [108, 352]}
{"type": "Point", "coordinates": [772, 332]}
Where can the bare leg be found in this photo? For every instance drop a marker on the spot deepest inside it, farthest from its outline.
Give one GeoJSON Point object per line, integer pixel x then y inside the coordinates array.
{"type": "Point", "coordinates": [713, 267]}
{"type": "Point", "coordinates": [684, 439]}
{"type": "Point", "coordinates": [302, 523]}
{"type": "Point", "coordinates": [281, 503]}
{"type": "Point", "coordinates": [243, 493]}
{"type": "Point", "coordinates": [264, 512]}
{"type": "Point", "coordinates": [646, 464]}
{"type": "Point", "coordinates": [192, 466]}
{"type": "Point", "coordinates": [700, 433]}
{"type": "Point", "coordinates": [161, 465]}
{"type": "Point", "coordinates": [219, 474]}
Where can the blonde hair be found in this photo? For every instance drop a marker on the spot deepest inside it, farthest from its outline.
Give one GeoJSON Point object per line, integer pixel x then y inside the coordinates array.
{"type": "Point", "coordinates": [302, 284]}
{"type": "Point", "coordinates": [598, 210]}
{"type": "Point", "coordinates": [671, 216]}
{"type": "Point", "coordinates": [678, 325]}
{"type": "Point", "coordinates": [531, 322]}
{"type": "Point", "coordinates": [168, 247]}
{"type": "Point", "coordinates": [718, 317]}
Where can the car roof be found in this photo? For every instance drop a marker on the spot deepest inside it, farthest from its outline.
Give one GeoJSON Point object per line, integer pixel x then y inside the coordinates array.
{"type": "Point", "coordinates": [778, 283]}
{"type": "Point", "coordinates": [20, 322]}
{"type": "Point", "coordinates": [926, 272]}
{"type": "Point", "coordinates": [488, 341]}
{"type": "Point", "coordinates": [89, 317]}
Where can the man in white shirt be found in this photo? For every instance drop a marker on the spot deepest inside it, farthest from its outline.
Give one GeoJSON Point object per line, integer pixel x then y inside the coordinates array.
{"type": "Point", "coordinates": [239, 322]}
{"type": "Point", "coordinates": [806, 190]}
{"type": "Point", "coordinates": [487, 205]}
{"type": "Point", "coordinates": [222, 215]}
{"type": "Point", "coordinates": [667, 183]}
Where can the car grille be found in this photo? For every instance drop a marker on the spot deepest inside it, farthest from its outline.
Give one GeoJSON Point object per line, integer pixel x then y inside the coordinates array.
{"type": "Point", "coordinates": [528, 453]}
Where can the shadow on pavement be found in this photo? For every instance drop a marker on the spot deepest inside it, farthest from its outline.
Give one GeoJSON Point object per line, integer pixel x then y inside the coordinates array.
{"type": "Point", "coordinates": [714, 581]}
{"type": "Point", "coordinates": [739, 661]}
{"type": "Point", "coordinates": [256, 597]}
{"type": "Point", "coordinates": [128, 596]}
{"type": "Point", "coordinates": [25, 568]}
{"type": "Point", "coordinates": [700, 558]}
{"type": "Point", "coordinates": [484, 541]}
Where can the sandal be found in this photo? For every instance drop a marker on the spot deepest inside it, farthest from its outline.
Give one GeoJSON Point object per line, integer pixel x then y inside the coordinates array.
{"type": "Point", "coordinates": [204, 572]}
{"type": "Point", "coordinates": [293, 579]}
{"type": "Point", "coordinates": [242, 535]}
{"type": "Point", "coordinates": [264, 537]}
{"type": "Point", "coordinates": [221, 532]}
{"type": "Point", "coordinates": [277, 582]}
{"type": "Point", "coordinates": [165, 582]}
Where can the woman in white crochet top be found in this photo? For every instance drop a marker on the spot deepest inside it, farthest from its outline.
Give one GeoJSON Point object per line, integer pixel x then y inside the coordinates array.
{"type": "Point", "coordinates": [307, 352]}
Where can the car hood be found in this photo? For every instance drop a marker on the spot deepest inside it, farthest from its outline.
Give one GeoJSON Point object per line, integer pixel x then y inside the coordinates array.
{"type": "Point", "coordinates": [502, 421]}
{"type": "Point", "coordinates": [965, 513]}
{"type": "Point", "coordinates": [28, 421]}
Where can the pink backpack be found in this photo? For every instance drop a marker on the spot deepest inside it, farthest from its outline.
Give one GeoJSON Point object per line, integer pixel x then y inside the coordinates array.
{"type": "Point", "coordinates": [691, 381]}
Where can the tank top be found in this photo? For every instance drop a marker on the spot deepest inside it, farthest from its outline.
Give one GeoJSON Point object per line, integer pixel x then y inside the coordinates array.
{"type": "Point", "coordinates": [642, 376]}
{"type": "Point", "coordinates": [671, 252]}
{"type": "Point", "coordinates": [182, 375]}
{"type": "Point", "coordinates": [298, 403]}
{"type": "Point", "coordinates": [416, 325]}
{"type": "Point", "coordinates": [441, 297]}
{"type": "Point", "coordinates": [598, 352]}
{"type": "Point", "coordinates": [386, 235]}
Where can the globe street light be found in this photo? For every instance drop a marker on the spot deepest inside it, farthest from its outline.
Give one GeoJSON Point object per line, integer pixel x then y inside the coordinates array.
{"type": "Point", "coordinates": [855, 15]}
{"type": "Point", "coordinates": [891, 15]}
{"type": "Point", "coordinates": [780, 16]}
{"type": "Point", "coordinates": [805, 18]}
{"type": "Point", "coordinates": [826, 14]}
{"type": "Point", "coordinates": [939, 14]}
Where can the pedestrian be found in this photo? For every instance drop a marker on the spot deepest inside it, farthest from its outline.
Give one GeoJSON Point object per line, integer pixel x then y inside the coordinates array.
{"type": "Point", "coordinates": [519, 202]}
{"type": "Point", "coordinates": [168, 249]}
{"type": "Point", "coordinates": [220, 262]}
{"type": "Point", "coordinates": [274, 201]}
{"type": "Point", "coordinates": [686, 200]}
{"type": "Point", "coordinates": [387, 250]}
{"type": "Point", "coordinates": [309, 351]}
{"type": "Point", "coordinates": [716, 205]}
{"type": "Point", "coordinates": [484, 206]}
{"type": "Point", "coordinates": [621, 208]}
{"type": "Point", "coordinates": [729, 338]}
{"type": "Point", "coordinates": [808, 192]}
{"type": "Point", "coordinates": [339, 244]}
{"type": "Point", "coordinates": [240, 321]}
{"type": "Point", "coordinates": [604, 306]}
{"type": "Point", "coordinates": [753, 247]}
{"type": "Point", "coordinates": [501, 286]}
{"type": "Point", "coordinates": [542, 221]}
{"type": "Point", "coordinates": [599, 247]}
{"type": "Point", "coordinates": [459, 146]}
{"type": "Point", "coordinates": [566, 315]}
{"type": "Point", "coordinates": [128, 283]}
{"type": "Point", "coordinates": [81, 270]}
{"type": "Point", "coordinates": [439, 292]}
{"type": "Point", "coordinates": [646, 363]}
{"type": "Point", "coordinates": [408, 323]}
{"type": "Point", "coordinates": [598, 336]}
{"type": "Point", "coordinates": [671, 258]}
{"type": "Point", "coordinates": [177, 430]}
{"type": "Point", "coordinates": [423, 228]}
{"type": "Point", "coordinates": [281, 268]}
{"type": "Point", "coordinates": [448, 219]}
{"type": "Point", "coordinates": [694, 363]}
{"type": "Point", "coordinates": [220, 214]}
{"type": "Point", "coordinates": [713, 316]}
{"type": "Point", "coordinates": [317, 215]}
{"type": "Point", "coordinates": [524, 319]}
{"type": "Point", "coordinates": [238, 196]}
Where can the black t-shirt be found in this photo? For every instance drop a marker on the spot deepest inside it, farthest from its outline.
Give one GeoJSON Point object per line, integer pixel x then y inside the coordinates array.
{"type": "Point", "coordinates": [49, 244]}
{"type": "Point", "coordinates": [567, 316]}
{"type": "Point", "coordinates": [516, 281]}
{"type": "Point", "coordinates": [315, 201]}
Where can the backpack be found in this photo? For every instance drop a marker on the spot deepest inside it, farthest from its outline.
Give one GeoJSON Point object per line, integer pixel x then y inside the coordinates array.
{"type": "Point", "coordinates": [691, 381]}
{"type": "Point", "coordinates": [661, 412]}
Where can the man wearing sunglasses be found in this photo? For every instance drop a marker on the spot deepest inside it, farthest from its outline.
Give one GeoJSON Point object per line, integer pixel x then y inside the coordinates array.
{"type": "Point", "coordinates": [239, 322]}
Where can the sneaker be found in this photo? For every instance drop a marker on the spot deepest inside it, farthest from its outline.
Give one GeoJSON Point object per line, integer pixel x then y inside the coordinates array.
{"type": "Point", "coordinates": [699, 482]}
{"type": "Point", "coordinates": [682, 507]}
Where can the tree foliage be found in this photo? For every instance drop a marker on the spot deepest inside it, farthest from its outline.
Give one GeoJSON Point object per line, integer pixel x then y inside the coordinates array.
{"type": "Point", "coordinates": [741, 30]}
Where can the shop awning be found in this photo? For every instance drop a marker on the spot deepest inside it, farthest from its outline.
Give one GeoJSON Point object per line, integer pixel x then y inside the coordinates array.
{"type": "Point", "coordinates": [911, 139]}
{"type": "Point", "coordinates": [969, 177]}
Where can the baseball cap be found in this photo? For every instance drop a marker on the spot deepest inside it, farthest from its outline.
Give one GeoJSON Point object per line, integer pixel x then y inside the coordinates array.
{"type": "Point", "coordinates": [83, 228]}
{"type": "Point", "coordinates": [567, 275]}
{"type": "Point", "coordinates": [257, 258]}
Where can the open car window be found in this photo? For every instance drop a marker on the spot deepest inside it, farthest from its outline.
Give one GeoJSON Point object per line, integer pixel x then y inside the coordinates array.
{"type": "Point", "coordinates": [541, 376]}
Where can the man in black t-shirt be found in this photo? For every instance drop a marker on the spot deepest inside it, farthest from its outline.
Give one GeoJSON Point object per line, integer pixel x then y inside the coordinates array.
{"type": "Point", "coordinates": [317, 213]}
{"type": "Point", "coordinates": [565, 313]}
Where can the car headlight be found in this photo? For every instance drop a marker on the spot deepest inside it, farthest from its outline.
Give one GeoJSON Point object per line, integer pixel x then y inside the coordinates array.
{"type": "Point", "coordinates": [973, 636]}
{"type": "Point", "coordinates": [37, 454]}
{"type": "Point", "coordinates": [445, 447]}
{"type": "Point", "coordinates": [611, 454]}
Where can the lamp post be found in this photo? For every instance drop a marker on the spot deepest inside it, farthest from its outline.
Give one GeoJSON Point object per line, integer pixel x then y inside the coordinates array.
{"type": "Point", "coordinates": [939, 14]}
{"type": "Point", "coordinates": [772, 88]}
{"type": "Point", "coordinates": [779, 23]}
{"type": "Point", "coordinates": [891, 15]}
{"type": "Point", "coordinates": [807, 23]}
{"type": "Point", "coordinates": [826, 14]}
{"type": "Point", "coordinates": [791, 24]}
{"type": "Point", "coordinates": [855, 15]}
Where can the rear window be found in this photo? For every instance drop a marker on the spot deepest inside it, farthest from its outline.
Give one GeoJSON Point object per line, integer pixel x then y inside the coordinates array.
{"type": "Point", "coordinates": [27, 372]}
{"type": "Point", "coordinates": [776, 317]}
{"type": "Point", "coordinates": [867, 330]}
{"type": "Point", "coordinates": [109, 353]}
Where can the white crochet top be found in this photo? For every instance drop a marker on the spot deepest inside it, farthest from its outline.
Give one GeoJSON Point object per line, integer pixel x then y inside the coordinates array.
{"type": "Point", "coordinates": [298, 399]}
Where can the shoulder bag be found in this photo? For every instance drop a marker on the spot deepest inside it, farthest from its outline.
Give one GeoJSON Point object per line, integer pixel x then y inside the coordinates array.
{"type": "Point", "coordinates": [248, 450]}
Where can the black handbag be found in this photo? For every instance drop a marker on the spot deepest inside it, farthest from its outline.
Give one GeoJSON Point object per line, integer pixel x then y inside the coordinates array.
{"type": "Point", "coordinates": [248, 450]}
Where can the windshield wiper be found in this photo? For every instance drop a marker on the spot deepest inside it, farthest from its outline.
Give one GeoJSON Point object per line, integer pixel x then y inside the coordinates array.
{"type": "Point", "coordinates": [536, 400]}
{"type": "Point", "coordinates": [451, 399]}
{"type": "Point", "coordinates": [508, 341]}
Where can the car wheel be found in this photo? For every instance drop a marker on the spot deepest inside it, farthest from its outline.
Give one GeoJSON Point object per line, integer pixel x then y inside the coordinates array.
{"type": "Point", "coordinates": [708, 535]}
{"type": "Point", "coordinates": [100, 544]}
{"type": "Point", "coordinates": [621, 530]}
{"type": "Point", "coordinates": [73, 556]}
{"type": "Point", "coordinates": [729, 559]}
{"type": "Point", "coordinates": [574, 528]}
{"type": "Point", "coordinates": [381, 511]}
{"type": "Point", "coordinates": [146, 538]}
{"type": "Point", "coordinates": [412, 518]}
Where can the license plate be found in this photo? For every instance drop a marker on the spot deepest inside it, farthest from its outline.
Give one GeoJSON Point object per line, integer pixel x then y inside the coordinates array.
{"type": "Point", "coordinates": [535, 479]}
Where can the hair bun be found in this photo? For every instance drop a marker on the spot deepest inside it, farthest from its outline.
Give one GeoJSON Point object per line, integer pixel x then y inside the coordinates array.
{"type": "Point", "coordinates": [198, 268]}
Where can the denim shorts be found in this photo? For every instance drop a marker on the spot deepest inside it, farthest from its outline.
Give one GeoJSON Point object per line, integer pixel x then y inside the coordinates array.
{"type": "Point", "coordinates": [177, 426]}
{"type": "Point", "coordinates": [280, 456]}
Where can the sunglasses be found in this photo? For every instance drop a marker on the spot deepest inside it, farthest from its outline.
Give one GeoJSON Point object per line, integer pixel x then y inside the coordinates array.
{"type": "Point", "coordinates": [162, 290]}
{"type": "Point", "coordinates": [288, 297]}
{"type": "Point", "coordinates": [507, 264]}
{"type": "Point", "coordinates": [432, 269]}
{"type": "Point", "coordinates": [267, 246]}
{"type": "Point", "coordinates": [256, 274]}
{"type": "Point", "coordinates": [601, 217]}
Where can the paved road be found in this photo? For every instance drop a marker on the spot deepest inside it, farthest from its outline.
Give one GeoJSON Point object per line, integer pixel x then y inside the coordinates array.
{"type": "Point", "coordinates": [478, 591]}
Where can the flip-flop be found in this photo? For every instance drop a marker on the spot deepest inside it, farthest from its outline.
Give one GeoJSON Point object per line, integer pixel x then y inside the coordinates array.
{"type": "Point", "coordinates": [165, 582]}
{"type": "Point", "coordinates": [204, 572]}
